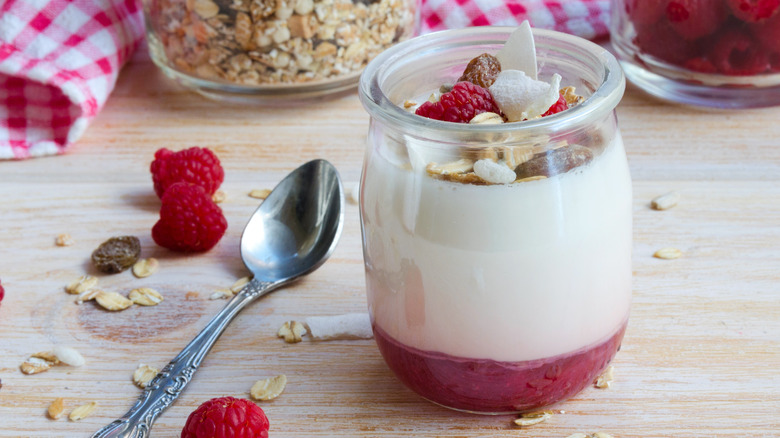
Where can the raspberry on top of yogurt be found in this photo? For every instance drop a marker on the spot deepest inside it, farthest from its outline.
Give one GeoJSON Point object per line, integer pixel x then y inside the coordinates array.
{"type": "Point", "coordinates": [505, 84]}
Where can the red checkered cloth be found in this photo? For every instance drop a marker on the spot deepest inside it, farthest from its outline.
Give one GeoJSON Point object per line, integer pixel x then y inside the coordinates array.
{"type": "Point", "coordinates": [59, 60]}
{"type": "Point", "coordinates": [585, 18]}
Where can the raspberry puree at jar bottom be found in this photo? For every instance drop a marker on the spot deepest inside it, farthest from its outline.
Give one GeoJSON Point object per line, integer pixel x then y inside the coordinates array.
{"type": "Point", "coordinates": [484, 385]}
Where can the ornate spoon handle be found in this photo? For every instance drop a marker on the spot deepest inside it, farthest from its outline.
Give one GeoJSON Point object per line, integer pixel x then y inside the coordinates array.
{"type": "Point", "coordinates": [165, 388]}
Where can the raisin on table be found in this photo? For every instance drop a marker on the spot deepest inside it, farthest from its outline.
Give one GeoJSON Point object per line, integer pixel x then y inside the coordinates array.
{"type": "Point", "coordinates": [116, 254]}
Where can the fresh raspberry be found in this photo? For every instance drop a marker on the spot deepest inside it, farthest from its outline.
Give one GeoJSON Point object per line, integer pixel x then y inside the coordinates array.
{"type": "Point", "coordinates": [660, 41]}
{"type": "Point", "coordinates": [2, 292]}
{"type": "Point", "coordinates": [736, 53]}
{"type": "Point", "coordinates": [701, 65]}
{"type": "Point", "coordinates": [226, 417]}
{"type": "Point", "coordinates": [189, 219]}
{"type": "Point", "coordinates": [460, 105]}
{"type": "Point", "coordinates": [768, 33]}
{"type": "Point", "coordinates": [560, 105]}
{"type": "Point", "coordinates": [754, 11]}
{"type": "Point", "coordinates": [693, 19]}
{"type": "Point", "coordinates": [645, 12]}
{"type": "Point", "coordinates": [194, 165]}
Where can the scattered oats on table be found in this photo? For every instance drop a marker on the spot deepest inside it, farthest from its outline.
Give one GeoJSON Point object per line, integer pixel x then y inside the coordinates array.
{"type": "Point", "coordinates": [668, 254]}
{"type": "Point", "coordinates": [291, 331]}
{"type": "Point", "coordinates": [268, 389]}
{"type": "Point", "coordinates": [64, 240]}
{"type": "Point", "coordinates": [81, 284]}
{"type": "Point", "coordinates": [604, 380]}
{"type": "Point", "coordinates": [531, 418]}
{"type": "Point", "coordinates": [144, 374]}
{"type": "Point", "coordinates": [56, 408]}
{"type": "Point", "coordinates": [259, 193]}
{"type": "Point", "coordinates": [145, 267]}
{"type": "Point", "coordinates": [82, 411]}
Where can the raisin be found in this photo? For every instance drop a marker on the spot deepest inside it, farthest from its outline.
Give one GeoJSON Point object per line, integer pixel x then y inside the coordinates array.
{"type": "Point", "coordinates": [116, 254]}
{"type": "Point", "coordinates": [482, 70]}
{"type": "Point", "coordinates": [555, 162]}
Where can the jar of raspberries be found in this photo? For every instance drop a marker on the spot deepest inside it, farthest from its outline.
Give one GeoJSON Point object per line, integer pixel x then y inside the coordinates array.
{"type": "Point", "coordinates": [255, 49]}
{"type": "Point", "coordinates": [716, 53]}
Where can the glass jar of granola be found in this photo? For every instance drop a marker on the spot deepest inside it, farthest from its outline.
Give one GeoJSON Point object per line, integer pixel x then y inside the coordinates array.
{"type": "Point", "coordinates": [273, 48]}
{"type": "Point", "coordinates": [490, 294]}
{"type": "Point", "coordinates": [716, 53]}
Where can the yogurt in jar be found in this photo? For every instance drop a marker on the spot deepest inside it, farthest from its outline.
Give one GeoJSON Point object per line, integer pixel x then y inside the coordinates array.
{"type": "Point", "coordinates": [498, 258]}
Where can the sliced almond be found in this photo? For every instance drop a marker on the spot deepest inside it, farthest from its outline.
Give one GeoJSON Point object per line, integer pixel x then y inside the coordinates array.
{"type": "Point", "coordinates": [268, 389]}
{"type": "Point", "coordinates": [259, 193]}
{"type": "Point", "coordinates": [605, 379]}
{"type": "Point", "coordinates": [64, 240]}
{"type": "Point", "coordinates": [460, 166]}
{"type": "Point", "coordinates": [56, 408]}
{"type": "Point", "coordinates": [665, 201]}
{"type": "Point", "coordinates": [82, 411]}
{"type": "Point", "coordinates": [144, 374]}
{"type": "Point", "coordinates": [112, 301]}
{"type": "Point", "coordinates": [68, 356]}
{"type": "Point", "coordinates": [409, 104]}
{"type": "Point", "coordinates": [81, 284]}
{"type": "Point", "coordinates": [291, 331]}
{"type": "Point", "coordinates": [145, 296]}
{"type": "Point", "coordinates": [514, 156]}
{"type": "Point", "coordinates": [35, 365]}
{"type": "Point", "coordinates": [531, 418]}
{"type": "Point", "coordinates": [668, 253]}
{"type": "Point", "coordinates": [145, 267]}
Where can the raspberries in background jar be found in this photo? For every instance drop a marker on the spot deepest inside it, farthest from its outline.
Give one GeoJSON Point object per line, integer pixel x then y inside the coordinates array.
{"type": "Point", "coordinates": [727, 37]}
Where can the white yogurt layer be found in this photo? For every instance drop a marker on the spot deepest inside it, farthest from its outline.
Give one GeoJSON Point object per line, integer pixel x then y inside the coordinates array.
{"type": "Point", "coordinates": [505, 272]}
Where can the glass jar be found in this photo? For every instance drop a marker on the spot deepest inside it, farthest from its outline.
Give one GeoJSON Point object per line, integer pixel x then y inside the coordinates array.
{"type": "Point", "coordinates": [716, 53]}
{"type": "Point", "coordinates": [250, 49]}
{"type": "Point", "coordinates": [496, 298]}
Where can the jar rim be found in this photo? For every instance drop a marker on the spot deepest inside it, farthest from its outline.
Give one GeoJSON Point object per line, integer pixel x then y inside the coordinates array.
{"type": "Point", "coordinates": [601, 102]}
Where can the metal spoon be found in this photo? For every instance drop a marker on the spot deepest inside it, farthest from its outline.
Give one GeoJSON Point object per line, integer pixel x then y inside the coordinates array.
{"type": "Point", "coordinates": [291, 234]}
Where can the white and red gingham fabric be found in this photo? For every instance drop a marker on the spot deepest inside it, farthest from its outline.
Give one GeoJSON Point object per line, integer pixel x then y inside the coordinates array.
{"type": "Point", "coordinates": [585, 18]}
{"type": "Point", "coordinates": [59, 59]}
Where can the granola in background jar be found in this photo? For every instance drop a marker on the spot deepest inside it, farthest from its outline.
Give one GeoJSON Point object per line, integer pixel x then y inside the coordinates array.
{"type": "Point", "coordinates": [262, 48]}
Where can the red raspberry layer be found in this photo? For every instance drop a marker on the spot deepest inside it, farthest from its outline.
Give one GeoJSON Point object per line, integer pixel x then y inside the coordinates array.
{"type": "Point", "coordinates": [459, 105]}
{"type": "Point", "coordinates": [194, 165]}
{"type": "Point", "coordinates": [226, 417]}
{"type": "Point", "coordinates": [189, 219]}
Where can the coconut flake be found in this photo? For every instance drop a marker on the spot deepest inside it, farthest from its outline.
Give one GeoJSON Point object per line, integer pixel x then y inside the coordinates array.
{"type": "Point", "coordinates": [520, 97]}
{"type": "Point", "coordinates": [493, 172]}
{"type": "Point", "coordinates": [519, 51]}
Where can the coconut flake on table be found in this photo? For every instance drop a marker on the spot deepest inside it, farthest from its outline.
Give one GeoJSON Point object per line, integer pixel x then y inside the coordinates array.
{"type": "Point", "coordinates": [519, 51]}
{"type": "Point", "coordinates": [347, 326]}
{"type": "Point", "coordinates": [521, 97]}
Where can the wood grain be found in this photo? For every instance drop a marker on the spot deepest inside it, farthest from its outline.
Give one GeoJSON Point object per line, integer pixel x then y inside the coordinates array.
{"type": "Point", "coordinates": [700, 357]}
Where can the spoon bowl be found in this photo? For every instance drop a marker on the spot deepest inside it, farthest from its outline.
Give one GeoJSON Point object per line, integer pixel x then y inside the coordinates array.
{"type": "Point", "coordinates": [291, 234]}
{"type": "Point", "coordinates": [286, 238]}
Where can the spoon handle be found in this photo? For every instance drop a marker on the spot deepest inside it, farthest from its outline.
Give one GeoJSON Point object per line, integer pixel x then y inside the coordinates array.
{"type": "Point", "coordinates": [166, 387]}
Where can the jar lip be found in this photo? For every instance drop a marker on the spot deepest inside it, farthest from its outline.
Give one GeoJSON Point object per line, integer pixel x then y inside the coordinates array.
{"type": "Point", "coordinates": [603, 100]}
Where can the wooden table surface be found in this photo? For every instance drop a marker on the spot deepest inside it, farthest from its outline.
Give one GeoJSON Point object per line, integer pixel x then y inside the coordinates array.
{"type": "Point", "coordinates": [700, 357]}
